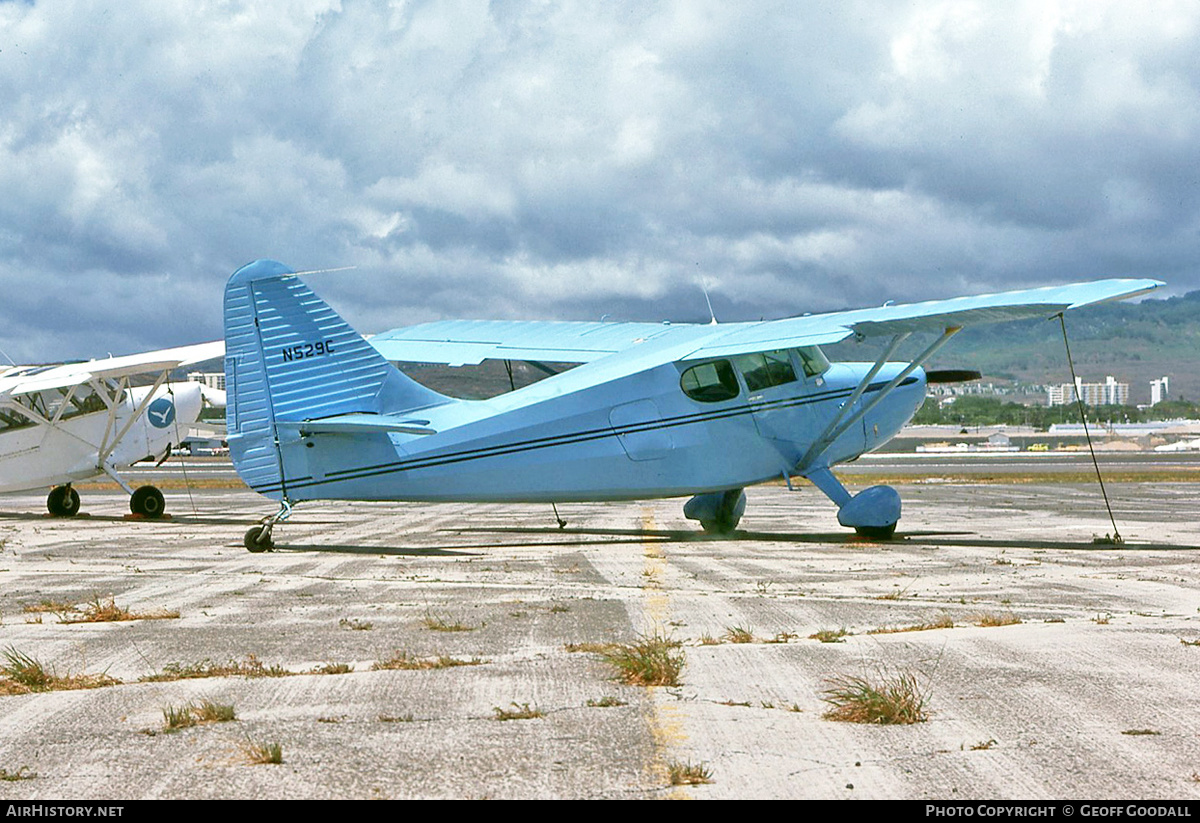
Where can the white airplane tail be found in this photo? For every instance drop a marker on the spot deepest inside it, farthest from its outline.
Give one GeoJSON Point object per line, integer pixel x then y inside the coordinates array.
{"type": "Point", "coordinates": [289, 357]}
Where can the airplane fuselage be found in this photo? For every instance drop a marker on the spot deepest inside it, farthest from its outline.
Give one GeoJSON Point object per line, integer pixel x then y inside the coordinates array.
{"type": "Point", "coordinates": [570, 438]}
{"type": "Point", "coordinates": [67, 447]}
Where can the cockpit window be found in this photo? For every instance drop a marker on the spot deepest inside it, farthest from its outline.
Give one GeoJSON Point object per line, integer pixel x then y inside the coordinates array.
{"type": "Point", "coordinates": [812, 360]}
{"type": "Point", "coordinates": [765, 369]}
{"type": "Point", "coordinates": [710, 382]}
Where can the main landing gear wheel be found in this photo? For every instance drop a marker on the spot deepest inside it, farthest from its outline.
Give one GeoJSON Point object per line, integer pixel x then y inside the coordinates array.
{"type": "Point", "coordinates": [63, 501]}
{"type": "Point", "coordinates": [876, 532]}
{"type": "Point", "coordinates": [148, 502]}
{"type": "Point", "coordinates": [256, 541]}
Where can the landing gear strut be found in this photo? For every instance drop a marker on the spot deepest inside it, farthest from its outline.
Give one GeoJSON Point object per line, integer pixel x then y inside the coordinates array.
{"type": "Point", "coordinates": [63, 501]}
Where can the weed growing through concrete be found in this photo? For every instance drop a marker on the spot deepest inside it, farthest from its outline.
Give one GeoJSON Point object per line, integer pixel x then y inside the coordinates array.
{"type": "Point", "coordinates": [22, 773]}
{"type": "Point", "coordinates": [654, 661]}
{"type": "Point", "coordinates": [519, 711]}
{"type": "Point", "coordinates": [250, 667]}
{"type": "Point", "coordinates": [688, 773]}
{"type": "Point", "coordinates": [206, 711]}
{"type": "Point", "coordinates": [404, 661]}
{"type": "Point", "coordinates": [738, 634]}
{"type": "Point", "coordinates": [259, 752]}
{"type": "Point", "coordinates": [442, 623]}
{"type": "Point", "coordinates": [1139, 732]}
{"type": "Point", "coordinates": [782, 637]}
{"type": "Point", "coordinates": [707, 639]}
{"type": "Point", "coordinates": [356, 625]}
{"type": "Point", "coordinates": [943, 622]}
{"type": "Point", "coordinates": [403, 718]}
{"type": "Point", "coordinates": [606, 702]}
{"type": "Point", "coordinates": [21, 673]}
{"type": "Point", "coordinates": [107, 611]}
{"type": "Point", "coordinates": [890, 700]}
{"type": "Point", "coordinates": [829, 635]}
{"type": "Point", "coordinates": [1195, 642]}
{"type": "Point", "coordinates": [991, 619]}
{"type": "Point", "coordinates": [593, 648]}
{"type": "Point", "coordinates": [333, 668]}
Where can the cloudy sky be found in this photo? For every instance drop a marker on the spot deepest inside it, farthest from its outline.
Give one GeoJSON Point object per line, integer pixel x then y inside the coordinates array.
{"type": "Point", "coordinates": [570, 160]}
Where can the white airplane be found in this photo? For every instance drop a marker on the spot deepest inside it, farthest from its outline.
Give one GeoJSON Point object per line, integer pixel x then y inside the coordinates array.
{"type": "Point", "coordinates": [63, 424]}
{"type": "Point", "coordinates": [655, 410]}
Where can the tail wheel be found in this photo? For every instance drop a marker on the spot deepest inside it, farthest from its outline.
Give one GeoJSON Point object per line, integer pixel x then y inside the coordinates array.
{"type": "Point", "coordinates": [148, 502]}
{"type": "Point", "coordinates": [63, 501]}
{"type": "Point", "coordinates": [256, 541]}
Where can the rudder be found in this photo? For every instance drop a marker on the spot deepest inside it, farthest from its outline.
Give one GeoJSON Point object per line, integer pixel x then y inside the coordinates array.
{"type": "Point", "coordinates": [290, 357]}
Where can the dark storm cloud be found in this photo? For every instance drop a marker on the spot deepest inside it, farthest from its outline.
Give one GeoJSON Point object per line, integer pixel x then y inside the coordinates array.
{"type": "Point", "coordinates": [566, 160]}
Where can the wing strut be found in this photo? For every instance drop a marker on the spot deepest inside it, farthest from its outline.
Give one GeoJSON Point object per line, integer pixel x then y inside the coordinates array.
{"type": "Point", "coordinates": [838, 427]}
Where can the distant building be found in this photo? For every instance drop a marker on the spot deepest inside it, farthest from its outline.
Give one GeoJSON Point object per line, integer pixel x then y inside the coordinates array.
{"type": "Point", "coordinates": [1159, 389]}
{"type": "Point", "coordinates": [212, 379]}
{"type": "Point", "coordinates": [1108, 393]}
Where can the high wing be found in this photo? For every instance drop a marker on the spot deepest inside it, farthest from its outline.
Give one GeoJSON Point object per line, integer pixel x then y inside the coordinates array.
{"type": "Point", "coordinates": [28, 381]}
{"type": "Point", "coordinates": [460, 342]}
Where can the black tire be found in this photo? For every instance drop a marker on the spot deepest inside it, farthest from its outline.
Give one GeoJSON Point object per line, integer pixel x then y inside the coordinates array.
{"type": "Point", "coordinates": [148, 502]}
{"type": "Point", "coordinates": [63, 501]}
{"type": "Point", "coordinates": [252, 542]}
{"type": "Point", "coordinates": [876, 532]}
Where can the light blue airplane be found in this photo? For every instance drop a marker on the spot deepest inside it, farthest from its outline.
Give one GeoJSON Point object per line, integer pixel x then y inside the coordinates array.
{"type": "Point", "coordinates": [315, 411]}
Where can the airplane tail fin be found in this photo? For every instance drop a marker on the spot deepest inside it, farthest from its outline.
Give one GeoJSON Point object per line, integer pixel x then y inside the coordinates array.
{"type": "Point", "coordinates": [290, 357]}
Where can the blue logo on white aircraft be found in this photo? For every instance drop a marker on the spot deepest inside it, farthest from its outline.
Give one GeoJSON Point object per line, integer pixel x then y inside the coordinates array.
{"type": "Point", "coordinates": [161, 413]}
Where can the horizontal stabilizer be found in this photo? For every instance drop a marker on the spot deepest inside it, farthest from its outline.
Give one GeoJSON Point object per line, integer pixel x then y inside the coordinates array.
{"type": "Point", "coordinates": [358, 424]}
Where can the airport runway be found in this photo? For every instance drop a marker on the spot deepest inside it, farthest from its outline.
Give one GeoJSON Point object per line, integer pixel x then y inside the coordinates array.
{"type": "Point", "coordinates": [1045, 707]}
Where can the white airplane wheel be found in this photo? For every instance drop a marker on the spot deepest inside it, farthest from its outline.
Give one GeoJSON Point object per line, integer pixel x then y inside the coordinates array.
{"type": "Point", "coordinates": [148, 502]}
{"type": "Point", "coordinates": [63, 501]}
{"type": "Point", "coordinates": [254, 542]}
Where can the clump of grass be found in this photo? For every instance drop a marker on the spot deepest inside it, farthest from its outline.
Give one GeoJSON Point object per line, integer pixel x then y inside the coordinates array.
{"type": "Point", "coordinates": [593, 648]}
{"type": "Point", "coordinates": [333, 668]}
{"type": "Point", "coordinates": [402, 660]}
{"type": "Point", "coordinates": [21, 673]}
{"type": "Point", "coordinates": [738, 634]}
{"type": "Point", "coordinates": [259, 752]}
{"type": "Point", "coordinates": [1102, 619]}
{"type": "Point", "coordinates": [48, 605]}
{"type": "Point", "coordinates": [782, 637]}
{"type": "Point", "coordinates": [519, 711]}
{"type": "Point", "coordinates": [206, 711]}
{"type": "Point", "coordinates": [22, 773]}
{"type": "Point", "coordinates": [654, 661]}
{"type": "Point", "coordinates": [1195, 642]}
{"type": "Point", "coordinates": [707, 639]}
{"type": "Point", "coordinates": [984, 745]}
{"type": "Point", "coordinates": [1138, 732]}
{"type": "Point", "coordinates": [890, 700]}
{"type": "Point", "coordinates": [250, 667]}
{"type": "Point", "coordinates": [943, 622]}
{"type": "Point", "coordinates": [176, 718]}
{"type": "Point", "coordinates": [829, 635]}
{"type": "Point", "coordinates": [402, 718]}
{"type": "Point", "coordinates": [444, 623]}
{"type": "Point", "coordinates": [992, 619]}
{"type": "Point", "coordinates": [356, 625]}
{"type": "Point", "coordinates": [107, 611]}
{"type": "Point", "coordinates": [606, 702]}
{"type": "Point", "coordinates": [559, 608]}
{"type": "Point", "coordinates": [688, 773]}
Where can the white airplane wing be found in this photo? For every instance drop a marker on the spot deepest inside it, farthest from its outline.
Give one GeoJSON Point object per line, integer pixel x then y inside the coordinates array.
{"type": "Point", "coordinates": [72, 374]}
{"type": "Point", "coordinates": [460, 342]}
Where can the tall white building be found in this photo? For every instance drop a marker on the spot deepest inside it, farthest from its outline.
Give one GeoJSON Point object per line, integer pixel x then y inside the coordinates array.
{"type": "Point", "coordinates": [1159, 390]}
{"type": "Point", "coordinates": [1108, 393]}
